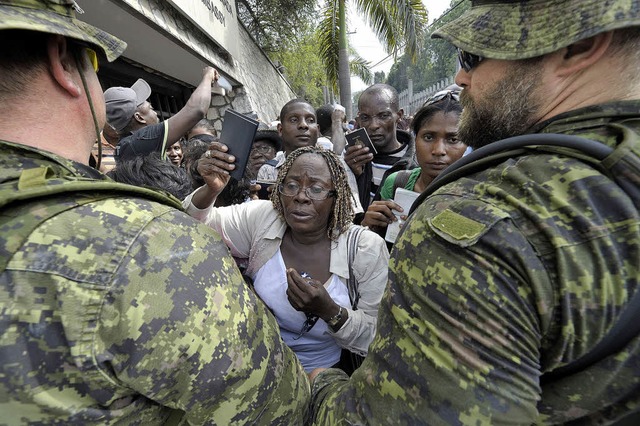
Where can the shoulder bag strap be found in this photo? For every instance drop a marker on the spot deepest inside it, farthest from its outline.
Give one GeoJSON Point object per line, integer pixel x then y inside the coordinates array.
{"type": "Point", "coordinates": [401, 180]}
{"type": "Point", "coordinates": [352, 248]}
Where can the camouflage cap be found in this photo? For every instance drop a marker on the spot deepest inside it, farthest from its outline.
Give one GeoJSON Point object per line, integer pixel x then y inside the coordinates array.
{"type": "Point", "coordinates": [525, 29]}
{"type": "Point", "coordinates": [57, 17]}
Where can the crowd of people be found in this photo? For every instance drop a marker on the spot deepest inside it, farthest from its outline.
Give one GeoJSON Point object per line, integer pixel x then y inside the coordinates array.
{"type": "Point", "coordinates": [141, 284]}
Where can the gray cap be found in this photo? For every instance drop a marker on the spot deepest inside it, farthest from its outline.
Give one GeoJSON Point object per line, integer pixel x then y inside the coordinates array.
{"type": "Point", "coordinates": [122, 102]}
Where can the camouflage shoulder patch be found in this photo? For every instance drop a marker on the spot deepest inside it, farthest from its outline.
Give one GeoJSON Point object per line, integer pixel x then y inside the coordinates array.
{"type": "Point", "coordinates": [464, 223]}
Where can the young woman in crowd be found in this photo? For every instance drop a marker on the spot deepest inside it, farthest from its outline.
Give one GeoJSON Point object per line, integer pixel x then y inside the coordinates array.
{"type": "Point", "coordinates": [435, 127]}
{"type": "Point", "coordinates": [297, 245]}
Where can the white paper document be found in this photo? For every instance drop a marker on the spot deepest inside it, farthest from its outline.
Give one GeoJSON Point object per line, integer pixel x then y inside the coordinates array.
{"type": "Point", "coordinates": [405, 198]}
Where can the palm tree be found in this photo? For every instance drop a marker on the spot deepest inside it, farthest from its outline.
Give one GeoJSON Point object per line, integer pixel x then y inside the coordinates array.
{"type": "Point", "coordinates": [397, 23]}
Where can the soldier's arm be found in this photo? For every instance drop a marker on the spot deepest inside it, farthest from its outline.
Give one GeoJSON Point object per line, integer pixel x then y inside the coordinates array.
{"type": "Point", "coordinates": [458, 334]}
{"type": "Point", "coordinates": [181, 328]}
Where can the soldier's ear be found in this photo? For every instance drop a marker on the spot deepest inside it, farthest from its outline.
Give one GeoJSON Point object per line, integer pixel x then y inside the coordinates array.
{"type": "Point", "coordinates": [62, 65]}
{"type": "Point", "coordinates": [582, 54]}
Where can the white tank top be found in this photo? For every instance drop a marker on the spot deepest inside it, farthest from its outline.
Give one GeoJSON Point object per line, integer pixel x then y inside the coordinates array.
{"type": "Point", "coordinates": [315, 348]}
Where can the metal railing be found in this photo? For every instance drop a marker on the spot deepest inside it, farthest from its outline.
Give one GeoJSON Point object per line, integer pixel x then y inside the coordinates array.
{"type": "Point", "coordinates": [411, 102]}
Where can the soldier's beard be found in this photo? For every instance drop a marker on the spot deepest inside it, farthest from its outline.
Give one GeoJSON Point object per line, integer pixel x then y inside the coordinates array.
{"type": "Point", "coordinates": [509, 109]}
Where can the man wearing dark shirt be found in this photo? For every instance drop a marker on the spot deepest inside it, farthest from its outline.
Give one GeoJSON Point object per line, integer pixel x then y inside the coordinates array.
{"type": "Point", "coordinates": [131, 114]}
{"type": "Point", "coordinates": [378, 113]}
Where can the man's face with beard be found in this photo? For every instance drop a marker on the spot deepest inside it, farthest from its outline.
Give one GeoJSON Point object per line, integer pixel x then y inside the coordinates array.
{"type": "Point", "coordinates": [508, 109]}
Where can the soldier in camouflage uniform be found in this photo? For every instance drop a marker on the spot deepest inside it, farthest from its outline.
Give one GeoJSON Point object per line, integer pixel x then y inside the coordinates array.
{"type": "Point", "coordinates": [115, 306]}
{"type": "Point", "coordinates": [505, 275]}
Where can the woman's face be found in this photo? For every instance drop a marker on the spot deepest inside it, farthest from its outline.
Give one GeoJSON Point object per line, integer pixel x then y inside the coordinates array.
{"type": "Point", "coordinates": [437, 144]}
{"type": "Point", "coordinates": [174, 153]}
{"type": "Point", "coordinates": [303, 214]}
{"type": "Point", "coordinates": [261, 152]}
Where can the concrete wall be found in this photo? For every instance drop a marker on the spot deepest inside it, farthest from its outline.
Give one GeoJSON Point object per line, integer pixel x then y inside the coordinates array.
{"type": "Point", "coordinates": [258, 86]}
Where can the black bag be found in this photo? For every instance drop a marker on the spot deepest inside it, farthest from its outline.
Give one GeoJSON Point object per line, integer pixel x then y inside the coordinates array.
{"type": "Point", "coordinates": [350, 361]}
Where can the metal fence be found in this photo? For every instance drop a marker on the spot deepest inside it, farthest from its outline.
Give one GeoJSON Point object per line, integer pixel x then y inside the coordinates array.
{"type": "Point", "coordinates": [411, 102]}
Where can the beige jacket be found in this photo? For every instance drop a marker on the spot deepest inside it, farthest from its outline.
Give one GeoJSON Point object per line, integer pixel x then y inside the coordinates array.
{"type": "Point", "coordinates": [254, 230]}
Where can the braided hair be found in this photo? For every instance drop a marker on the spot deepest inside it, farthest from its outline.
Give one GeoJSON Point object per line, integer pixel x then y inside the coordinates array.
{"type": "Point", "coordinates": [342, 215]}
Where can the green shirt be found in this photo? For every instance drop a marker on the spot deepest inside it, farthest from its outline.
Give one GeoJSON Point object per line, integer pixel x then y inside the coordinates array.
{"type": "Point", "coordinates": [499, 277]}
{"type": "Point", "coordinates": [125, 310]}
{"type": "Point", "coordinates": [387, 192]}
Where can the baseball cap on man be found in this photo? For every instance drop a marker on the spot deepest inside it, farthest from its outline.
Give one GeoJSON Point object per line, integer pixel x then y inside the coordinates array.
{"type": "Point", "coordinates": [518, 29]}
{"type": "Point", "coordinates": [122, 102]}
{"type": "Point", "coordinates": [57, 17]}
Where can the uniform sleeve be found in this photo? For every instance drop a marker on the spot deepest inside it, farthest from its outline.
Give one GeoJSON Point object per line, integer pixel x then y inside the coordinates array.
{"type": "Point", "coordinates": [370, 271]}
{"type": "Point", "coordinates": [181, 328]}
{"type": "Point", "coordinates": [458, 331]}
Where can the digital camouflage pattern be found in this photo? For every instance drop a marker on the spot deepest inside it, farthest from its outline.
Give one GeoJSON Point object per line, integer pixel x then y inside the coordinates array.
{"type": "Point", "coordinates": [512, 29]}
{"type": "Point", "coordinates": [499, 277]}
{"type": "Point", "coordinates": [116, 308]}
{"type": "Point", "coordinates": [57, 17]}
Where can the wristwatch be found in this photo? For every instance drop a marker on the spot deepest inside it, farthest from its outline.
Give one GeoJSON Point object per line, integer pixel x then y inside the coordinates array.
{"type": "Point", "coordinates": [334, 320]}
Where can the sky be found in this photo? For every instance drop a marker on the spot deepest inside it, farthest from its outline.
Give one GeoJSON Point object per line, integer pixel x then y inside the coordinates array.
{"type": "Point", "coordinates": [366, 44]}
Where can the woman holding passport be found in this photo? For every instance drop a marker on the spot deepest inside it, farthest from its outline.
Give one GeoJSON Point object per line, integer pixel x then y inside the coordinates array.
{"type": "Point", "coordinates": [303, 253]}
{"type": "Point", "coordinates": [435, 127]}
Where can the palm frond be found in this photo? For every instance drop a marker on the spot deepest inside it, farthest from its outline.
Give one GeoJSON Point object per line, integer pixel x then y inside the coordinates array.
{"type": "Point", "coordinates": [398, 24]}
{"type": "Point", "coordinates": [360, 67]}
{"type": "Point", "coordinates": [327, 34]}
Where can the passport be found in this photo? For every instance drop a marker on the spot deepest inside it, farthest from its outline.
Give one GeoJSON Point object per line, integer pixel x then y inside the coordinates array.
{"type": "Point", "coordinates": [360, 137]}
{"type": "Point", "coordinates": [238, 131]}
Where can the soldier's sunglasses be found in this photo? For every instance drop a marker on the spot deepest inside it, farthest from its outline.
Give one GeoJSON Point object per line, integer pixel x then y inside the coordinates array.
{"type": "Point", "coordinates": [467, 60]}
{"type": "Point", "coordinates": [91, 54]}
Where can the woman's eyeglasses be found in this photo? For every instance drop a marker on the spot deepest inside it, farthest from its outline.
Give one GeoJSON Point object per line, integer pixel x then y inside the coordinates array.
{"type": "Point", "coordinates": [263, 149]}
{"type": "Point", "coordinates": [467, 60]}
{"type": "Point", "coordinates": [315, 192]}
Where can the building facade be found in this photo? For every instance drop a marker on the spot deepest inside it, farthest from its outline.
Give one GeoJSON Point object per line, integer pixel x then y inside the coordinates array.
{"type": "Point", "coordinates": [171, 41]}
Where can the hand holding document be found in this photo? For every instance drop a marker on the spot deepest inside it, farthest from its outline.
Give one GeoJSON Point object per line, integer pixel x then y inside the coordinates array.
{"type": "Point", "coordinates": [405, 198]}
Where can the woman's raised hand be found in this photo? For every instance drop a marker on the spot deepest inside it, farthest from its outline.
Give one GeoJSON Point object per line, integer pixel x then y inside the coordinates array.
{"type": "Point", "coordinates": [214, 166]}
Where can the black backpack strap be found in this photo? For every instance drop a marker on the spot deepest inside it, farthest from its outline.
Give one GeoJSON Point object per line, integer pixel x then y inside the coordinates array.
{"type": "Point", "coordinates": [401, 180]}
{"type": "Point", "coordinates": [496, 152]}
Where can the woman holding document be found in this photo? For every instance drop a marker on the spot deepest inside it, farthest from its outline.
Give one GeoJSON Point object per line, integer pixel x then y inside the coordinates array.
{"type": "Point", "coordinates": [435, 127]}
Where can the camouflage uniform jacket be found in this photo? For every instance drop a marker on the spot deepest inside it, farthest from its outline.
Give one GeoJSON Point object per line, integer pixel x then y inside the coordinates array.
{"type": "Point", "coordinates": [121, 309]}
{"type": "Point", "coordinates": [499, 277]}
